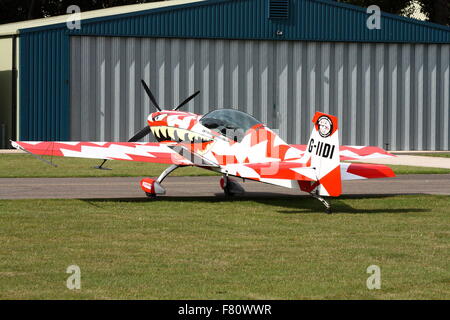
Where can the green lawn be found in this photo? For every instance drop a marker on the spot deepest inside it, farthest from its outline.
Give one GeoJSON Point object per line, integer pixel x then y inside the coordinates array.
{"type": "Point", "coordinates": [216, 249]}
{"type": "Point", "coordinates": [439, 155]}
{"type": "Point", "coordinates": [418, 170]}
{"type": "Point", "coordinates": [26, 166]}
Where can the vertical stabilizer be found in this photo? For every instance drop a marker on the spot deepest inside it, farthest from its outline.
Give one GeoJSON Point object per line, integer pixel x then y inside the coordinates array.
{"type": "Point", "coordinates": [323, 150]}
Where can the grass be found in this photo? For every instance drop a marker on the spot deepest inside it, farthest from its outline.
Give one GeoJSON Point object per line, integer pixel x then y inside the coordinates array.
{"type": "Point", "coordinates": [399, 170]}
{"type": "Point", "coordinates": [26, 166]}
{"type": "Point", "coordinates": [438, 155]}
{"type": "Point", "coordinates": [180, 248]}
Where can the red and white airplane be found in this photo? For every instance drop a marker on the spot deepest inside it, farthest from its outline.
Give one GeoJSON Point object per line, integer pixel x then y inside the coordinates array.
{"type": "Point", "coordinates": [234, 144]}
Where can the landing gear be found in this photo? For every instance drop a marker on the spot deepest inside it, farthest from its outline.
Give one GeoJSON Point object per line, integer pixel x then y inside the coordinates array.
{"type": "Point", "coordinates": [230, 186]}
{"type": "Point", "coordinates": [227, 190]}
{"type": "Point", "coordinates": [315, 195]}
{"type": "Point", "coordinates": [153, 188]}
{"type": "Point", "coordinates": [166, 172]}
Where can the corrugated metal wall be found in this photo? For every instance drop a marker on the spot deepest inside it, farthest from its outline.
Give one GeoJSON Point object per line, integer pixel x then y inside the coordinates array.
{"type": "Point", "coordinates": [44, 109]}
{"type": "Point", "coordinates": [382, 93]}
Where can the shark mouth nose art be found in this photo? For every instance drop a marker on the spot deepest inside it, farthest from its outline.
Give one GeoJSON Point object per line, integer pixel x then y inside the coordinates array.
{"type": "Point", "coordinates": [163, 133]}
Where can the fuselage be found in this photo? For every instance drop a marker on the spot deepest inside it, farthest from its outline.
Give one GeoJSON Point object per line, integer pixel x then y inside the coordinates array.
{"type": "Point", "coordinates": [224, 137]}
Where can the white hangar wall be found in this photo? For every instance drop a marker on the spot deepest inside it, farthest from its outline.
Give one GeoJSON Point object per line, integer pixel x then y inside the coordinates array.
{"type": "Point", "coordinates": [396, 94]}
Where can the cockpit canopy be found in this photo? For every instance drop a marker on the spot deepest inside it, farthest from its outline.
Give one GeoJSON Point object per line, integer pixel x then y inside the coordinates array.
{"type": "Point", "coordinates": [229, 122]}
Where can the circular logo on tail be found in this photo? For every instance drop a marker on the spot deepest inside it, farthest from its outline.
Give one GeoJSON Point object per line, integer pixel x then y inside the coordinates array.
{"type": "Point", "coordinates": [325, 126]}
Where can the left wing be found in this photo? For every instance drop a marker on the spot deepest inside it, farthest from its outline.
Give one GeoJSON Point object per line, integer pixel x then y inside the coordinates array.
{"type": "Point", "coordinates": [129, 151]}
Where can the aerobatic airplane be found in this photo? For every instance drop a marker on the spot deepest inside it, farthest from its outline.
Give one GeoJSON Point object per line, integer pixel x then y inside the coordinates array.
{"type": "Point", "coordinates": [233, 144]}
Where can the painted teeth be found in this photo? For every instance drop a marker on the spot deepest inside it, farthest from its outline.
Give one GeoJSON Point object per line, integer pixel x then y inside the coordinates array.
{"type": "Point", "coordinates": [177, 134]}
{"type": "Point", "coordinates": [171, 133]}
{"type": "Point", "coordinates": [191, 136]}
{"type": "Point", "coordinates": [156, 132]}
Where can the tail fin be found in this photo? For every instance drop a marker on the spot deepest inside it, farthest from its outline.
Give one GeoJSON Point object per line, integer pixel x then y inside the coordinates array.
{"type": "Point", "coordinates": [323, 150]}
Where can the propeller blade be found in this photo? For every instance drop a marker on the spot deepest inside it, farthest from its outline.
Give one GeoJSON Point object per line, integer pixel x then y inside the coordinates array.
{"type": "Point", "coordinates": [186, 101]}
{"type": "Point", "coordinates": [149, 93]}
{"type": "Point", "coordinates": [141, 134]}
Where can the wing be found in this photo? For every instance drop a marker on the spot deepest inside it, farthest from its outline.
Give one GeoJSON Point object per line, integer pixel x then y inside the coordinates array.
{"type": "Point", "coordinates": [129, 151]}
{"type": "Point", "coordinates": [356, 152]}
{"type": "Point", "coordinates": [280, 173]}
{"type": "Point", "coordinates": [289, 174]}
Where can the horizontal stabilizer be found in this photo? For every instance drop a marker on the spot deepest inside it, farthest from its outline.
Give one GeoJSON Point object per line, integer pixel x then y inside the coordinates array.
{"type": "Point", "coordinates": [360, 171]}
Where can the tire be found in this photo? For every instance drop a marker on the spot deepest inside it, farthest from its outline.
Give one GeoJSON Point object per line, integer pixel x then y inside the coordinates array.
{"type": "Point", "coordinates": [227, 192]}
{"type": "Point", "coordinates": [150, 195]}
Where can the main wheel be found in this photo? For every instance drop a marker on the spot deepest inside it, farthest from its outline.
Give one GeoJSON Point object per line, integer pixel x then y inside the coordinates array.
{"type": "Point", "coordinates": [228, 192]}
{"type": "Point", "coordinates": [150, 195]}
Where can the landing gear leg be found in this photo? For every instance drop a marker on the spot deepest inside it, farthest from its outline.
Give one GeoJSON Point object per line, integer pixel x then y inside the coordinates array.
{"type": "Point", "coordinates": [166, 172]}
{"type": "Point", "coordinates": [315, 195]}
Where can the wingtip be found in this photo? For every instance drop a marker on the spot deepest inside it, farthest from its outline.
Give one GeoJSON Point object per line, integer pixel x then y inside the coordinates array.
{"type": "Point", "coordinates": [15, 145]}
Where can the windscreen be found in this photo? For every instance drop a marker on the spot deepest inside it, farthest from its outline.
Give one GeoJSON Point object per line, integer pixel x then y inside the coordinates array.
{"type": "Point", "coordinates": [229, 122]}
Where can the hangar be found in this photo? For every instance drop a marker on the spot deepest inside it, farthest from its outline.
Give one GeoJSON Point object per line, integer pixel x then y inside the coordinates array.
{"type": "Point", "coordinates": [279, 60]}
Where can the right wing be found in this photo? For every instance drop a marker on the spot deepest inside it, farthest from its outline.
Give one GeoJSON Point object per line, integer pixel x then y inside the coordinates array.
{"type": "Point", "coordinates": [362, 171]}
{"type": "Point", "coordinates": [349, 153]}
{"type": "Point", "coordinates": [129, 151]}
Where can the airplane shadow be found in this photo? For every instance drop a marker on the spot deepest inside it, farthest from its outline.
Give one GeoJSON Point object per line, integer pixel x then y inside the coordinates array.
{"type": "Point", "coordinates": [282, 203]}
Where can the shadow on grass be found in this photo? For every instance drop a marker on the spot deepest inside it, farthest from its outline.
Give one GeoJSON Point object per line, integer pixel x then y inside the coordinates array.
{"type": "Point", "coordinates": [295, 204]}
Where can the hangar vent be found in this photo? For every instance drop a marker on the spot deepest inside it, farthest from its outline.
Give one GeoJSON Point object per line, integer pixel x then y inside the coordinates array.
{"type": "Point", "coordinates": [278, 9]}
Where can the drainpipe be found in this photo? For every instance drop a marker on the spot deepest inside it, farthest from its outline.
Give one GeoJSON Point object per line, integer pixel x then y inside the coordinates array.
{"type": "Point", "coordinates": [14, 89]}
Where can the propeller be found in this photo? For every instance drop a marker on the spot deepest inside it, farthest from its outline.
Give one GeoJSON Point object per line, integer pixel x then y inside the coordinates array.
{"type": "Point", "coordinates": [141, 134]}
{"type": "Point", "coordinates": [186, 101]}
{"type": "Point", "coordinates": [150, 95]}
{"type": "Point", "coordinates": [146, 130]}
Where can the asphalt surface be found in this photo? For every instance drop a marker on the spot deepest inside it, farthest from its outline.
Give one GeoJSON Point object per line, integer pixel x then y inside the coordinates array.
{"type": "Point", "coordinates": [116, 188]}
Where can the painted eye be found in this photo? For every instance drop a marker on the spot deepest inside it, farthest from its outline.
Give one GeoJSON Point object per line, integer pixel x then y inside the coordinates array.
{"type": "Point", "coordinates": [159, 117]}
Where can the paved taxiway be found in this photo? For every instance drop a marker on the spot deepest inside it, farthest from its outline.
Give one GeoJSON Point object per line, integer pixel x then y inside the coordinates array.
{"type": "Point", "coordinates": [108, 188]}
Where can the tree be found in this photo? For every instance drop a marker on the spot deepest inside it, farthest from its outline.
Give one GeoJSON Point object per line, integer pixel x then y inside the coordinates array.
{"type": "Point", "coordinates": [19, 10]}
{"type": "Point", "coordinates": [437, 11]}
{"type": "Point", "coordinates": [391, 6]}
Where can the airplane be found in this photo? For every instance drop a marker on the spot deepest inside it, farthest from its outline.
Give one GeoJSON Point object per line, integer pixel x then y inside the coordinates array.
{"type": "Point", "coordinates": [234, 144]}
